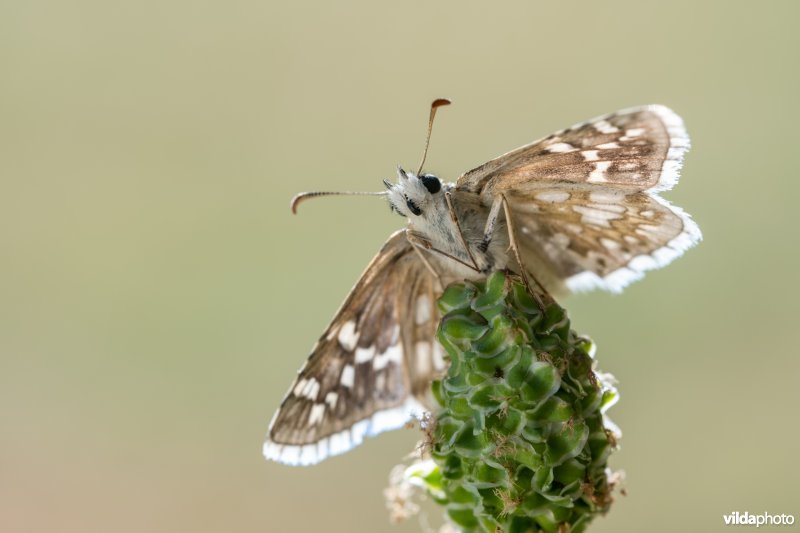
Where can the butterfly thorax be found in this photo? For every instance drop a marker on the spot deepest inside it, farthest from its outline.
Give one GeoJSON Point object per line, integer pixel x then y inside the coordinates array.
{"type": "Point", "coordinates": [444, 227]}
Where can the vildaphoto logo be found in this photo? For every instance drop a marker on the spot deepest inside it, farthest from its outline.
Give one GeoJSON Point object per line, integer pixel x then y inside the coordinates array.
{"type": "Point", "coordinates": [764, 519]}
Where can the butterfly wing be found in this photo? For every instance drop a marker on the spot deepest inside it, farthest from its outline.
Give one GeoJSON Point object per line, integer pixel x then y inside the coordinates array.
{"type": "Point", "coordinates": [581, 238]}
{"type": "Point", "coordinates": [583, 201]}
{"type": "Point", "coordinates": [370, 369]}
{"type": "Point", "coordinates": [639, 148]}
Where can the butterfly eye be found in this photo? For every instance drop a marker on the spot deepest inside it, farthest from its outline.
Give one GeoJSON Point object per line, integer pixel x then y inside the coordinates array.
{"type": "Point", "coordinates": [431, 183]}
{"type": "Point", "coordinates": [413, 207]}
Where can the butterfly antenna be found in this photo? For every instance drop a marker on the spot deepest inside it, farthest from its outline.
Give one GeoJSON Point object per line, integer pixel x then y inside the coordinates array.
{"type": "Point", "coordinates": [439, 102]}
{"type": "Point", "coordinates": [306, 195]}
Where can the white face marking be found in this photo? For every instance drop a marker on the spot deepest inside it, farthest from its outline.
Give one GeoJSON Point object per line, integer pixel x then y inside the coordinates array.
{"type": "Point", "coordinates": [603, 126]}
{"type": "Point", "coordinates": [364, 355]}
{"type": "Point", "coordinates": [348, 376]}
{"type": "Point", "coordinates": [553, 196]}
{"type": "Point", "coordinates": [597, 217]}
{"type": "Point", "coordinates": [392, 354]}
{"type": "Point", "coordinates": [598, 175]}
{"type": "Point", "coordinates": [317, 413]}
{"type": "Point", "coordinates": [607, 146]}
{"type": "Point", "coordinates": [423, 311]}
{"type": "Point", "coordinates": [560, 148]}
{"type": "Point", "coordinates": [331, 398]}
{"type": "Point", "coordinates": [590, 155]}
{"type": "Point", "coordinates": [347, 336]}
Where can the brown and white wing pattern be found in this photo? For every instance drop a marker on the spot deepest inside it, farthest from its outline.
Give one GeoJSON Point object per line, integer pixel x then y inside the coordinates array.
{"type": "Point", "coordinates": [639, 148]}
{"type": "Point", "coordinates": [582, 238]}
{"type": "Point", "coordinates": [584, 202]}
{"type": "Point", "coordinates": [372, 365]}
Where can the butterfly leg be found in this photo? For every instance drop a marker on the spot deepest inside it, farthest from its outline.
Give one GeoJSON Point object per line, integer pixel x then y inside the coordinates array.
{"type": "Point", "coordinates": [424, 244]}
{"type": "Point", "coordinates": [424, 259]}
{"type": "Point", "coordinates": [513, 243]}
{"type": "Point", "coordinates": [491, 222]}
{"type": "Point", "coordinates": [454, 218]}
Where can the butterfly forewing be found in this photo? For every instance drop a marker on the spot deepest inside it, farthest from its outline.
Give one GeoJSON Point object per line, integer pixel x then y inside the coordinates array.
{"type": "Point", "coordinates": [639, 148]}
{"type": "Point", "coordinates": [583, 200]}
{"type": "Point", "coordinates": [371, 367]}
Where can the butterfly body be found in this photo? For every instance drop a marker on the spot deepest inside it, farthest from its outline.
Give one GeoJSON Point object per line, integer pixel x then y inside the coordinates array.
{"type": "Point", "coordinates": [577, 210]}
{"type": "Point", "coordinates": [452, 225]}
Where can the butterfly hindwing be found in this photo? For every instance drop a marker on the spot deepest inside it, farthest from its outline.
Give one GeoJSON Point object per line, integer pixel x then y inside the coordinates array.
{"type": "Point", "coordinates": [585, 238]}
{"type": "Point", "coordinates": [368, 371]}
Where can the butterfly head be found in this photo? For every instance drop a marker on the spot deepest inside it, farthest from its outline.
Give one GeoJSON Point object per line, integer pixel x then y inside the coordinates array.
{"type": "Point", "coordinates": [414, 196]}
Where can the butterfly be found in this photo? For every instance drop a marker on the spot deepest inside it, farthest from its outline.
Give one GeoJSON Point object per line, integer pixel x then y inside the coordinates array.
{"type": "Point", "coordinates": [574, 211]}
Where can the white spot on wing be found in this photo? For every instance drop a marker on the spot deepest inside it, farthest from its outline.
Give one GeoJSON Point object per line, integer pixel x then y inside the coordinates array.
{"type": "Point", "coordinates": [423, 310]}
{"type": "Point", "coordinates": [609, 244]}
{"type": "Point", "coordinates": [597, 217]}
{"type": "Point", "coordinates": [603, 126]}
{"type": "Point", "coordinates": [364, 355]}
{"type": "Point", "coordinates": [347, 335]}
{"type": "Point", "coordinates": [632, 134]}
{"type": "Point", "coordinates": [331, 398]}
{"type": "Point", "coordinates": [553, 196]}
{"type": "Point", "coordinates": [393, 354]}
{"type": "Point", "coordinates": [300, 387]}
{"type": "Point", "coordinates": [422, 354]}
{"type": "Point", "coordinates": [317, 414]}
{"type": "Point", "coordinates": [590, 155]}
{"type": "Point", "coordinates": [607, 146]}
{"type": "Point", "coordinates": [614, 208]}
{"type": "Point", "coordinates": [598, 175]}
{"type": "Point", "coordinates": [560, 148]}
{"type": "Point", "coordinates": [347, 379]}
{"type": "Point", "coordinates": [310, 389]}
{"type": "Point", "coordinates": [604, 197]}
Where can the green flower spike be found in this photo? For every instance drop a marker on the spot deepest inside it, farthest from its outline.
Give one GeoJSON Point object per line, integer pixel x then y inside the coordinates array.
{"type": "Point", "coordinates": [520, 442]}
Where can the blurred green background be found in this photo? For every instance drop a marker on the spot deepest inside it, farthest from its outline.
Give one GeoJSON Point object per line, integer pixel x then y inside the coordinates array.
{"type": "Point", "coordinates": [157, 296]}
